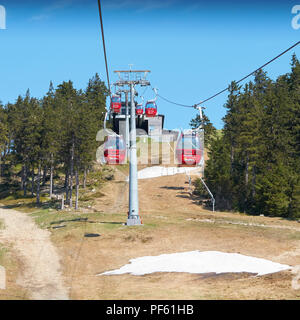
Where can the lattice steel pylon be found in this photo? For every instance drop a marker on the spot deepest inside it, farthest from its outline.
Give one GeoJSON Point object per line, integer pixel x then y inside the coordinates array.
{"type": "Point", "coordinates": [131, 78]}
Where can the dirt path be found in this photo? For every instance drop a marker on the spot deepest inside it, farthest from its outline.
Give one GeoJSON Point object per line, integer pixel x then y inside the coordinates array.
{"type": "Point", "coordinates": [41, 275]}
{"type": "Point", "coordinates": [152, 193]}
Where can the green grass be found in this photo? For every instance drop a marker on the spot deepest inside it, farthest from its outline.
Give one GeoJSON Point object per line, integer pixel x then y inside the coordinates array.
{"type": "Point", "coordinates": [65, 225]}
{"type": "Point", "coordinates": [77, 223]}
{"type": "Point", "coordinates": [46, 218]}
{"type": "Point", "coordinates": [91, 196]}
{"type": "Point", "coordinates": [98, 177]}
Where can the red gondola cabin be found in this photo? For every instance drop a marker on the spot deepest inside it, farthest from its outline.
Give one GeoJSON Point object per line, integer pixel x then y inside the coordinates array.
{"type": "Point", "coordinates": [139, 109]}
{"type": "Point", "coordinates": [115, 105]}
{"type": "Point", "coordinates": [189, 150]}
{"type": "Point", "coordinates": [151, 109]}
{"type": "Point", "coordinates": [114, 150]}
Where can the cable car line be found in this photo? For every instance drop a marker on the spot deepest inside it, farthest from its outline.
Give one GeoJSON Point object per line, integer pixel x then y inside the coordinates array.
{"type": "Point", "coordinates": [144, 91]}
{"type": "Point", "coordinates": [203, 101]}
{"type": "Point", "coordinates": [226, 89]}
{"type": "Point", "coordinates": [178, 104]}
{"type": "Point", "coordinates": [248, 75]}
{"type": "Point", "coordinates": [104, 49]}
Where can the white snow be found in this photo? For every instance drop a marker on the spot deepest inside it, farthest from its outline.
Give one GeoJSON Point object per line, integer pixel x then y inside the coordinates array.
{"type": "Point", "coordinates": [158, 171]}
{"type": "Point", "coordinates": [199, 262]}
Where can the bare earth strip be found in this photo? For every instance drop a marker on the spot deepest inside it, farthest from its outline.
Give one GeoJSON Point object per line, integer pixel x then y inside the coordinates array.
{"type": "Point", "coordinates": [41, 276]}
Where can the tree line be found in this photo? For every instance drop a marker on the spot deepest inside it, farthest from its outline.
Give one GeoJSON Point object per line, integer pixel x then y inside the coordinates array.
{"type": "Point", "coordinates": [254, 164]}
{"type": "Point", "coordinates": [56, 133]}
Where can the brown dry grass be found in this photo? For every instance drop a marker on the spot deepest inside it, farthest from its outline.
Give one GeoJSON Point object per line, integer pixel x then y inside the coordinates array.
{"type": "Point", "coordinates": [173, 222]}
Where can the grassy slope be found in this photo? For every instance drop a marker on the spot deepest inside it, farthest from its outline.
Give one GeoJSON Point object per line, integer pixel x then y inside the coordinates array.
{"type": "Point", "coordinates": [162, 232]}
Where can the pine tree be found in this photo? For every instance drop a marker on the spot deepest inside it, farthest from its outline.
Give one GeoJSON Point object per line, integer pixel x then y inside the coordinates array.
{"type": "Point", "coordinates": [52, 124]}
{"type": "Point", "coordinates": [254, 166]}
{"type": "Point", "coordinates": [209, 129]}
{"type": "Point", "coordinates": [67, 101]}
{"type": "Point", "coordinates": [3, 135]}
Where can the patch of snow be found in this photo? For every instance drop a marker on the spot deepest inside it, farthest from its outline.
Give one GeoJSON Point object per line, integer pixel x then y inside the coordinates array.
{"type": "Point", "coordinates": [159, 171]}
{"type": "Point", "coordinates": [199, 262]}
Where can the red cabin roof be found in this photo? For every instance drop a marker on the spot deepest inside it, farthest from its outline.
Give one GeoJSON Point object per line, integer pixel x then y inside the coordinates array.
{"type": "Point", "coordinates": [115, 104]}
{"type": "Point", "coordinates": [139, 109]}
{"type": "Point", "coordinates": [151, 108]}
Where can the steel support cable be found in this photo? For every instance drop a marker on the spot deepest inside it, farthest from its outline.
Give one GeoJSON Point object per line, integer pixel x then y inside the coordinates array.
{"type": "Point", "coordinates": [144, 91]}
{"type": "Point", "coordinates": [226, 89]}
{"type": "Point", "coordinates": [248, 75]}
{"type": "Point", "coordinates": [178, 104]}
{"type": "Point", "coordinates": [104, 48]}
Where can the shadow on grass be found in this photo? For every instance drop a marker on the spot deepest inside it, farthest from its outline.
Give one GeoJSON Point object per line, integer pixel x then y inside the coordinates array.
{"type": "Point", "coordinates": [92, 235]}
{"type": "Point", "coordinates": [197, 200]}
{"type": "Point", "coordinates": [21, 205]}
{"type": "Point", "coordinates": [83, 220]}
{"type": "Point", "coordinates": [59, 227]}
{"type": "Point", "coordinates": [110, 222]}
{"type": "Point", "coordinates": [184, 196]}
{"type": "Point", "coordinates": [172, 188]}
{"type": "Point", "coordinates": [70, 220]}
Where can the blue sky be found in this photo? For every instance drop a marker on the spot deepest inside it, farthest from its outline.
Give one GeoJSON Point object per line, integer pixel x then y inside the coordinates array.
{"type": "Point", "coordinates": [193, 48]}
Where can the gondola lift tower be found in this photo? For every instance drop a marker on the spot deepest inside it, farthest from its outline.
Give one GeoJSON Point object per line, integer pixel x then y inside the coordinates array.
{"type": "Point", "coordinates": [132, 78]}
